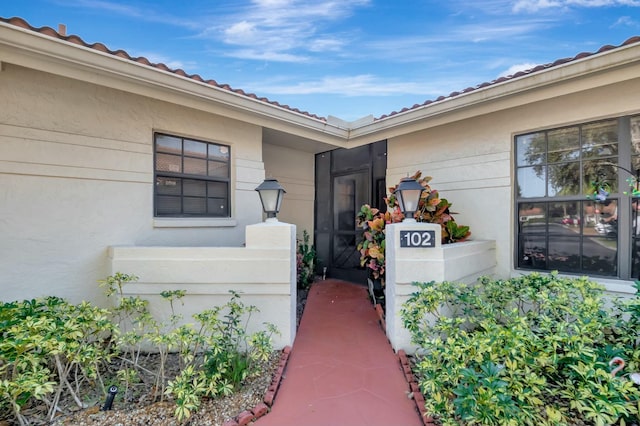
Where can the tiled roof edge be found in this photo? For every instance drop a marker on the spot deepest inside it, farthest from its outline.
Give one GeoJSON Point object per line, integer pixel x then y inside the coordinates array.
{"type": "Point", "coordinates": [48, 31]}
{"type": "Point", "coordinates": [538, 68]}
{"type": "Point", "coordinates": [19, 22]}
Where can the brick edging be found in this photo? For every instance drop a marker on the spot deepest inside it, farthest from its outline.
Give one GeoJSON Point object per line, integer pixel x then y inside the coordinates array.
{"type": "Point", "coordinates": [414, 388]}
{"type": "Point", "coordinates": [418, 397]}
{"type": "Point", "coordinates": [262, 408]}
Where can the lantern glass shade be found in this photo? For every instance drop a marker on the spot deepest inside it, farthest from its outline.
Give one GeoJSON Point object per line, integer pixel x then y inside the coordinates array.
{"type": "Point", "coordinates": [399, 200]}
{"type": "Point", "coordinates": [408, 195]}
{"type": "Point", "coordinates": [271, 194]}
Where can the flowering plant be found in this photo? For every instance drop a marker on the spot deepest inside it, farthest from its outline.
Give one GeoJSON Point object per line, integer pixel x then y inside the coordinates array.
{"type": "Point", "coordinates": [372, 246]}
{"type": "Point", "coordinates": [431, 209]}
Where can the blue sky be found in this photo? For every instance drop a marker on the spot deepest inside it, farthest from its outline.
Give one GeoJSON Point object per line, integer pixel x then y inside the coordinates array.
{"type": "Point", "coordinates": [346, 58]}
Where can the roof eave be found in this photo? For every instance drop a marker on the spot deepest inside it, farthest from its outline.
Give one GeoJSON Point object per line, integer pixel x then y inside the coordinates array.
{"type": "Point", "coordinates": [510, 93]}
{"type": "Point", "coordinates": [44, 53]}
{"type": "Point", "coordinates": [29, 48]}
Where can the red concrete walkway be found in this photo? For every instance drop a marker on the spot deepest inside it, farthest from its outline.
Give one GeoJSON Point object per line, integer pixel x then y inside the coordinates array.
{"type": "Point", "coordinates": [342, 370]}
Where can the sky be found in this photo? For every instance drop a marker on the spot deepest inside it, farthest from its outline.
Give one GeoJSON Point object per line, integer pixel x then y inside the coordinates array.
{"type": "Point", "coordinates": [343, 58]}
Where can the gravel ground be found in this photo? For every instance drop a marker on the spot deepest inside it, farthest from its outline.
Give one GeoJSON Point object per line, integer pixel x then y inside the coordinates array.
{"type": "Point", "coordinates": [213, 412]}
{"type": "Point", "coordinates": [138, 409]}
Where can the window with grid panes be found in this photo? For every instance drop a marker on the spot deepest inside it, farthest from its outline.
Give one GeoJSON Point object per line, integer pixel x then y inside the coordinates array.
{"type": "Point", "coordinates": [192, 177]}
{"type": "Point", "coordinates": [559, 224]}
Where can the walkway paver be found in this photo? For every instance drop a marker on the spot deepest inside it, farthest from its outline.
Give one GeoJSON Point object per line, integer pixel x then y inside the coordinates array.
{"type": "Point", "coordinates": [342, 369]}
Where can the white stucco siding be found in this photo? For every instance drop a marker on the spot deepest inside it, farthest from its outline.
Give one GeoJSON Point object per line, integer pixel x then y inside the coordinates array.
{"type": "Point", "coordinates": [470, 167]}
{"type": "Point", "coordinates": [76, 176]}
{"type": "Point", "coordinates": [471, 160]}
{"type": "Point", "coordinates": [295, 170]}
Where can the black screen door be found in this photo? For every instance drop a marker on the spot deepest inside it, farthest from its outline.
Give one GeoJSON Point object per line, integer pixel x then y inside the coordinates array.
{"type": "Point", "coordinates": [345, 180]}
{"type": "Point", "coordinates": [349, 193]}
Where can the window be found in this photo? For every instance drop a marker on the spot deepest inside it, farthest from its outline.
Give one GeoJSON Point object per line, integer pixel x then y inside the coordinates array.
{"type": "Point", "coordinates": [561, 226]}
{"type": "Point", "coordinates": [192, 178]}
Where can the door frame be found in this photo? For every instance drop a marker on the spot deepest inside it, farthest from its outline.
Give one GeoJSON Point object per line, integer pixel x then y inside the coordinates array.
{"type": "Point", "coordinates": [374, 164]}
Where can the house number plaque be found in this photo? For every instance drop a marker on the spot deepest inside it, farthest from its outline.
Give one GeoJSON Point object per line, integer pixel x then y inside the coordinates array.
{"type": "Point", "coordinates": [417, 238]}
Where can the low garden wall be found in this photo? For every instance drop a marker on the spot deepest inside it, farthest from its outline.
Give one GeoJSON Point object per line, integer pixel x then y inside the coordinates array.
{"type": "Point", "coordinates": [410, 258]}
{"type": "Point", "coordinates": [263, 273]}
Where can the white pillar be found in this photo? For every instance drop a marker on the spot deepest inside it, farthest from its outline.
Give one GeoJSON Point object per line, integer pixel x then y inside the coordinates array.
{"type": "Point", "coordinates": [279, 236]}
{"type": "Point", "coordinates": [406, 265]}
{"type": "Point", "coordinates": [411, 258]}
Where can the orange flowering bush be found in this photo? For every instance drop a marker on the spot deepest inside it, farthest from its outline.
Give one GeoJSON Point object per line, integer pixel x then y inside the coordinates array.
{"type": "Point", "coordinates": [373, 239]}
{"type": "Point", "coordinates": [431, 209]}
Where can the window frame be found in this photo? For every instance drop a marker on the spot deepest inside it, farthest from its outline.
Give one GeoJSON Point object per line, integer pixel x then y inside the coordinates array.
{"type": "Point", "coordinates": [624, 239]}
{"type": "Point", "coordinates": [182, 176]}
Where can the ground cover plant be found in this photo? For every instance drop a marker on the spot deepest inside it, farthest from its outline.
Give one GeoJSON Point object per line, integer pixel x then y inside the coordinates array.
{"type": "Point", "coordinates": [51, 349]}
{"type": "Point", "coordinates": [532, 350]}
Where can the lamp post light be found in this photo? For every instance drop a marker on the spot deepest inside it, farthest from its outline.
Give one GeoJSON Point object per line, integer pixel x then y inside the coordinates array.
{"type": "Point", "coordinates": [271, 193]}
{"type": "Point", "coordinates": [408, 195]}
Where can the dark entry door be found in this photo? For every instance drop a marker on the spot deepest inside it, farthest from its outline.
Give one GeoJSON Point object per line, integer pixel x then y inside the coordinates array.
{"type": "Point", "coordinates": [345, 180]}
{"type": "Point", "coordinates": [350, 191]}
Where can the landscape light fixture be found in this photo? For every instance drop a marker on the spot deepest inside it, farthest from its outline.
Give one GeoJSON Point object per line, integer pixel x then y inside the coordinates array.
{"type": "Point", "coordinates": [408, 195]}
{"type": "Point", "coordinates": [271, 193]}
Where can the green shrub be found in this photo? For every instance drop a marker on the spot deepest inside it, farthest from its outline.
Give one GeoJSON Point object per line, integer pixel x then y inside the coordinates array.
{"type": "Point", "coordinates": [234, 355]}
{"type": "Point", "coordinates": [44, 341]}
{"type": "Point", "coordinates": [50, 349]}
{"type": "Point", "coordinates": [216, 356]}
{"type": "Point", "coordinates": [533, 350]}
{"type": "Point", "coordinates": [305, 262]}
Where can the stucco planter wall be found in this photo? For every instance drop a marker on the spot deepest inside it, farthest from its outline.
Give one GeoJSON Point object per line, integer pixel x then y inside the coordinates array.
{"type": "Point", "coordinates": [465, 262]}
{"type": "Point", "coordinates": [263, 273]}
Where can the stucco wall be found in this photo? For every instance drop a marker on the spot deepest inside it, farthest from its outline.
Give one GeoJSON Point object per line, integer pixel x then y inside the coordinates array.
{"type": "Point", "coordinates": [262, 273]}
{"type": "Point", "coordinates": [471, 161]}
{"type": "Point", "coordinates": [295, 170]}
{"type": "Point", "coordinates": [76, 176]}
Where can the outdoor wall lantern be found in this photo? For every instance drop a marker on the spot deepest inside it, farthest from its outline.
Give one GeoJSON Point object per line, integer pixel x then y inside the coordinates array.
{"type": "Point", "coordinates": [408, 195]}
{"type": "Point", "coordinates": [271, 193]}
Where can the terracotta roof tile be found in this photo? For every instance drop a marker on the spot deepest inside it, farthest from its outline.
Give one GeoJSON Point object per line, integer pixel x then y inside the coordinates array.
{"type": "Point", "coordinates": [19, 22]}
{"type": "Point", "coordinates": [538, 68]}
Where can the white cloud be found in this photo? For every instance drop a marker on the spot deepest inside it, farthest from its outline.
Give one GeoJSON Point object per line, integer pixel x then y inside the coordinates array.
{"type": "Point", "coordinates": [272, 3]}
{"type": "Point", "coordinates": [146, 14]}
{"type": "Point", "coordinates": [241, 33]}
{"type": "Point", "coordinates": [284, 28]}
{"type": "Point", "coordinates": [109, 6]}
{"type": "Point", "coordinates": [517, 68]}
{"type": "Point", "coordinates": [599, 3]}
{"type": "Point", "coordinates": [272, 56]}
{"type": "Point", "coordinates": [270, 30]}
{"type": "Point", "coordinates": [326, 45]}
{"type": "Point", "coordinates": [499, 31]}
{"type": "Point", "coordinates": [456, 42]}
{"type": "Point", "coordinates": [537, 5]}
{"type": "Point", "coordinates": [626, 21]}
{"type": "Point", "coordinates": [358, 85]}
{"type": "Point", "coordinates": [158, 58]}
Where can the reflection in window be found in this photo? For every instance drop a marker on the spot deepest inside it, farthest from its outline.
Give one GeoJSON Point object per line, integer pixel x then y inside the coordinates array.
{"type": "Point", "coordinates": [635, 238]}
{"type": "Point", "coordinates": [564, 145]}
{"type": "Point", "coordinates": [559, 227]}
{"type": "Point", "coordinates": [531, 182]}
{"type": "Point", "coordinates": [531, 149]}
{"type": "Point", "coordinates": [562, 179]}
{"type": "Point", "coordinates": [548, 163]}
{"type": "Point", "coordinates": [192, 178]}
{"type": "Point", "coordinates": [569, 236]}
